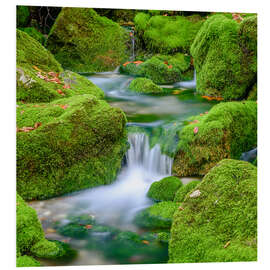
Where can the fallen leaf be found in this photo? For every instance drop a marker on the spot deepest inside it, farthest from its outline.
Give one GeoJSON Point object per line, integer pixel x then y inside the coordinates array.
{"type": "Point", "coordinates": [206, 112]}
{"type": "Point", "coordinates": [195, 130]}
{"type": "Point", "coordinates": [137, 62]}
{"type": "Point", "coordinates": [227, 244]}
{"type": "Point", "coordinates": [60, 92]}
{"type": "Point", "coordinates": [176, 92]}
{"type": "Point", "coordinates": [88, 226]}
{"type": "Point", "coordinates": [170, 66]}
{"type": "Point", "coordinates": [66, 86]}
{"type": "Point", "coordinates": [36, 68]}
{"type": "Point", "coordinates": [38, 124]}
{"type": "Point", "coordinates": [127, 63]}
{"type": "Point", "coordinates": [145, 242]}
{"type": "Point", "coordinates": [22, 112]}
{"type": "Point", "coordinates": [64, 106]}
{"type": "Point", "coordinates": [180, 208]}
{"type": "Point", "coordinates": [201, 114]}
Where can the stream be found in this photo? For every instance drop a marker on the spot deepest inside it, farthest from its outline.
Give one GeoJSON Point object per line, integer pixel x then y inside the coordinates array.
{"type": "Point", "coordinates": [149, 158]}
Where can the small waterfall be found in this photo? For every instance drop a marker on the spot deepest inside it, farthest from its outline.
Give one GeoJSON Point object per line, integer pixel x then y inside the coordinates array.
{"type": "Point", "coordinates": [140, 154]}
{"type": "Point", "coordinates": [187, 84]}
{"type": "Point", "coordinates": [131, 34]}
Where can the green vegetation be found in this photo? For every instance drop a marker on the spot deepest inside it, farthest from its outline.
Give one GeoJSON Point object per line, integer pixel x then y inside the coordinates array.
{"type": "Point", "coordinates": [219, 225]}
{"type": "Point", "coordinates": [146, 86]}
{"type": "Point", "coordinates": [83, 41]}
{"type": "Point", "coordinates": [184, 190]}
{"type": "Point", "coordinates": [225, 57]}
{"type": "Point", "coordinates": [157, 216]}
{"type": "Point", "coordinates": [164, 189]}
{"type": "Point", "coordinates": [40, 78]}
{"type": "Point", "coordinates": [31, 238]}
{"type": "Point", "coordinates": [167, 34]}
{"type": "Point", "coordinates": [164, 237]}
{"type": "Point", "coordinates": [228, 130]}
{"type": "Point", "coordinates": [22, 15]}
{"type": "Point", "coordinates": [79, 143]}
{"type": "Point", "coordinates": [34, 33]}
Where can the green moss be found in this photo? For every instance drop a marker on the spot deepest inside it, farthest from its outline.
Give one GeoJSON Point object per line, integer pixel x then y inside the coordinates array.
{"type": "Point", "coordinates": [252, 95]}
{"type": "Point", "coordinates": [157, 216]}
{"type": "Point", "coordinates": [34, 33]}
{"type": "Point", "coordinates": [27, 261]}
{"type": "Point", "coordinates": [164, 237]}
{"type": "Point", "coordinates": [143, 85]}
{"type": "Point", "coordinates": [228, 130]}
{"type": "Point", "coordinates": [219, 225]}
{"type": "Point", "coordinates": [128, 236]}
{"type": "Point", "coordinates": [225, 57]}
{"type": "Point", "coordinates": [22, 16]}
{"type": "Point", "coordinates": [32, 60]}
{"type": "Point", "coordinates": [165, 189]}
{"type": "Point", "coordinates": [184, 190]}
{"type": "Point", "coordinates": [80, 144]}
{"type": "Point", "coordinates": [83, 41]}
{"type": "Point", "coordinates": [167, 34]}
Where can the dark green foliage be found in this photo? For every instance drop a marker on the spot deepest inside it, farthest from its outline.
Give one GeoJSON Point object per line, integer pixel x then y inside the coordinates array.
{"type": "Point", "coordinates": [146, 86]}
{"type": "Point", "coordinates": [184, 190]}
{"type": "Point", "coordinates": [31, 57]}
{"type": "Point", "coordinates": [164, 189]}
{"type": "Point", "coordinates": [76, 147]}
{"type": "Point", "coordinates": [74, 231]}
{"type": "Point", "coordinates": [228, 130]}
{"type": "Point", "coordinates": [27, 261]}
{"type": "Point", "coordinates": [164, 237]}
{"type": "Point", "coordinates": [157, 216]}
{"type": "Point", "coordinates": [225, 57]}
{"type": "Point", "coordinates": [167, 34]}
{"type": "Point", "coordinates": [83, 41]}
{"type": "Point", "coordinates": [252, 95]}
{"type": "Point", "coordinates": [22, 16]}
{"type": "Point", "coordinates": [34, 33]}
{"type": "Point", "coordinates": [128, 236]}
{"type": "Point", "coordinates": [221, 224]}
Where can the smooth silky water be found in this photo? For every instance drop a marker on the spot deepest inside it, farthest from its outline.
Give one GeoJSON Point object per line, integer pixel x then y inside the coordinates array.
{"type": "Point", "coordinates": [115, 205]}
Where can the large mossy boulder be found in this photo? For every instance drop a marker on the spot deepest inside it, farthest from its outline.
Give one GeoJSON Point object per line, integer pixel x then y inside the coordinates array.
{"type": "Point", "coordinates": [67, 145]}
{"type": "Point", "coordinates": [40, 78]}
{"type": "Point", "coordinates": [164, 189]}
{"type": "Point", "coordinates": [83, 41]}
{"type": "Point", "coordinates": [157, 216]}
{"type": "Point", "coordinates": [167, 34]}
{"type": "Point", "coordinates": [34, 33]}
{"type": "Point", "coordinates": [144, 86]}
{"type": "Point", "coordinates": [184, 190]}
{"type": "Point", "coordinates": [30, 238]}
{"type": "Point", "coordinates": [225, 57]}
{"type": "Point", "coordinates": [218, 221]}
{"type": "Point", "coordinates": [228, 130]}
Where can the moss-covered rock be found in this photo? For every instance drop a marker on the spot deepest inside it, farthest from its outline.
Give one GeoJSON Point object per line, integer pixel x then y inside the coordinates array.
{"type": "Point", "coordinates": [228, 130]}
{"type": "Point", "coordinates": [40, 78]}
{"type": "Point", "coordinates": [225, 57]}
{"type": "Point", "coordinates": [167, 34]}
{"type": "Point", "coordinates": [22, 16]}
{"type": "Point", "coordinates": [164, 237]}
{"type": "Point", "coordinates": [146, 86]}
{"type": "Point", "coordinates": [30, 238]}
{"type": "Point", "coordinates": [78, 143]}
{"type": "Point", "coordinates": [184, 190]}
{"type": "Point", "coordinates": [220, 224]}
{"type": "Point", "coordinates": [161, 69]}
{"type": "Point", "coordinates": [157, 216]}
{"type": "Point", "coordinates": [83, 41]}
{"type": "Point", "coordinates": [27, 261]}
{"type": "Point", "coordinates": [252, 95]}
{"type": "Point", "coordinates": [164, 189]}
{"type": "Point", "coordinates": [34, 33]}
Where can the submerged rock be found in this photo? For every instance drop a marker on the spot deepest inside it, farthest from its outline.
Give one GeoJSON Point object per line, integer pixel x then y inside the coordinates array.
{"type": "Point", "coordinates": [83, 41]}
{"type": "Point", "coordinates": [146, 86]}
{"type": "Point", "coordinates": [40, 78]}
{"type": "Point", "coordinates": [79, 142]}
{"type": "Point", "coordinates": [225, 57]}
{"type": "Point", "coordinates": [164, 189]}
{"type": "Point", "coordinates": [221, 224]}
{"type": "Point", "coordinates": [228, 130]}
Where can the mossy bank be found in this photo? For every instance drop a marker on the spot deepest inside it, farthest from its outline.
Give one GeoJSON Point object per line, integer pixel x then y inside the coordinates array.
{"type": "Point", "coordinates": [74, 143]}
{"type": "Point", "coordinates": [83, 41]}
{"type": "Point", "coordinates": [217, 222]}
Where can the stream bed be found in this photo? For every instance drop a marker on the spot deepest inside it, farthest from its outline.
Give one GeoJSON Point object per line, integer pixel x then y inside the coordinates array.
{"type": "Point", "coordinates": [105, 213]}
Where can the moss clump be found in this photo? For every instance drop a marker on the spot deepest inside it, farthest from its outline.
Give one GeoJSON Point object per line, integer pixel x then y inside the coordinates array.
{"type": "Point", "coordinates": [146, 86]}
{"type": "Point", "coordinates": [228, 130]}
{"type": "Point", "coordinates": [184, 190]}
{"type": "Point", "coordinates": [83, 41]}
{"type": "Point", "coordinates": [161, 69]}
{"type": "Point", "coordinates": [34, 66]}
{"type": "Point", "coordinates": [164, 237]}
{"type": "Point", "coordinates": [225, 57]}
{"type": "Point", "coordinates": [27, 261]}
{"type": "Point", "coordinates": [157, 216]}
{"type": "Point", "coordinates": [219, 225]}
{"type": "Point", "coordinates": [252, 95]}
{"type": "Point", "coordinates": [167, 34]}
{"type": "Point", "coordinates": [34, 33]}
{"type": "Point", "coordinates": [80, 144]}
{"type": "Point", "coordinates": [22, 16]}
{"type": "Point", "coordinates": [165, 189]}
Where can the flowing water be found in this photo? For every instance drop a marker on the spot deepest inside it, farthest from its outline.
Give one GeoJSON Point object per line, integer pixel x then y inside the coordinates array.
{"type": "Point", "coordinates": [152, 123]}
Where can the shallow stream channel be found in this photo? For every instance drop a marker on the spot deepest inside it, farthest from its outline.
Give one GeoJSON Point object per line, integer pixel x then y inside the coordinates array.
{"type": "Point", "coordinates": [99, 222]}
